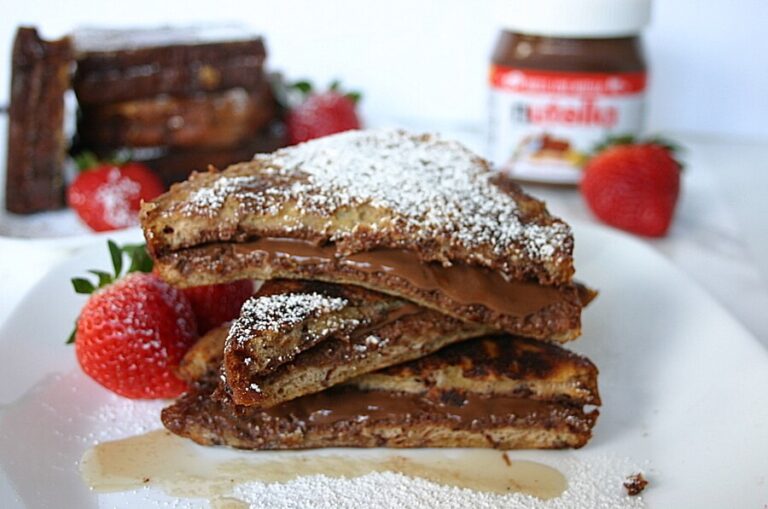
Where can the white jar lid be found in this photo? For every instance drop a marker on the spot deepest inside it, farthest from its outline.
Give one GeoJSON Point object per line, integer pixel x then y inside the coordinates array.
{"type": "Point", "coordinates": [576, 18]}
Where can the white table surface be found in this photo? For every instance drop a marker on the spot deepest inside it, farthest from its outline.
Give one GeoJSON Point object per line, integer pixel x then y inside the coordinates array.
{"type": "Point", "coordinates": [719, 237]}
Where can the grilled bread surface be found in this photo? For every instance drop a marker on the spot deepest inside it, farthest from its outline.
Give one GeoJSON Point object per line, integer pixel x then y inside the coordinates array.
{"type": "Point", "coordinates": [415, 405]}
{"type": "Point", "coordinates": [494, 365]}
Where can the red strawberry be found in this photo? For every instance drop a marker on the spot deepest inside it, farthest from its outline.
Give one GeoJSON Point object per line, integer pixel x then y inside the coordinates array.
{"type": "Point", "coordinates": [633, 187]}
{"type": "Point", "coordinates": [321, 114]}
{"type": "Point", "coordinates": [108, 196]}
{"type": "Point", "coordinates": [216, 304]}
{"type": "Point", "coordinates": [133, 331]}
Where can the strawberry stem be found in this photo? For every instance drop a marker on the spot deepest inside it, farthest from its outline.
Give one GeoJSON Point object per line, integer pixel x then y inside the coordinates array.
{"type": "Point", "coordinates": [86, 160]}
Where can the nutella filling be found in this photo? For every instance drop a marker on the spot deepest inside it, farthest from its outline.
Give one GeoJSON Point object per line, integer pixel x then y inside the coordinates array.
{"type": "Point", "coordinates": [349, 404]}
{"type": "Point", "coordinates": [460, 282]}
{"type": "Point", "coordinates": [407, 309]}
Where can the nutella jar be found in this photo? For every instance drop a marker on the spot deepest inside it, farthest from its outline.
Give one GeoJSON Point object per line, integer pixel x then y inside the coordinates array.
{"type": "Point", "coordinates": [565, 74]}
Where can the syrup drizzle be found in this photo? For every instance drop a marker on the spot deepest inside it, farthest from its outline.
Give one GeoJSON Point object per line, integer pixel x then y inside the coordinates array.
{"type": "Point", "coordinates": [183, 469]}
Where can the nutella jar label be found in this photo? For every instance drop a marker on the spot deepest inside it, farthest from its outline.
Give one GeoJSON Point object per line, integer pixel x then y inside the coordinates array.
{"type": "Point", "coordinates": [544, 124]}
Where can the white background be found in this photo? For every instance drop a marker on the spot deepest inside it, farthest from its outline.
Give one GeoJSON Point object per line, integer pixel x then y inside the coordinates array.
{"type": "Point", "coordinates": [427, 60]}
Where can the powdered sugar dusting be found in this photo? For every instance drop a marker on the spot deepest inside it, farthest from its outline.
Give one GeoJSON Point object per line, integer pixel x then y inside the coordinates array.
{"type": "Point", "coordinates": [276, 312]}
{"type": "Point", "coordinates": [116, 197]}
{"type": "Point", "coordinates": [434, 188]}
{"type": "Point", "coordinates": [592, 484]}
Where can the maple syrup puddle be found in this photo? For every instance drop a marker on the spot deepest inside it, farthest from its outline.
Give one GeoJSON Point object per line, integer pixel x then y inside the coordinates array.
{"type": "Point", "coordinates": [184, 469]}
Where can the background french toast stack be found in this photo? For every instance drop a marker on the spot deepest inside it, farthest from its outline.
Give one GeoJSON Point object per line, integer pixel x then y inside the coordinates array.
{"type": "Point", "coordinates": [173, 97]}
{"type": "Point", "coordinates": [401, 273]}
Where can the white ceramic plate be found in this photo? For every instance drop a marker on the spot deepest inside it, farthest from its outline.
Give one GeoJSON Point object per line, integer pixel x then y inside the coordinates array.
{"type": "Point", "coordinates": [685, 388]}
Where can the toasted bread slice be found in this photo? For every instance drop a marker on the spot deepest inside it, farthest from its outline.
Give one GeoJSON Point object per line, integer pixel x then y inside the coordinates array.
{"type": "Point", "coordinates": [409, 215]}
{"type": "Point", "coordinates": [215, 120]}
{"type": "Point", "coordinates": [36, 145]}
{"type": "Point", "coordinates": [287, 317]}
{"type": "Point", "coordinates": [115, 65]}
{"type": "Point", "coordinates": [412, 413]}
{"type": "Point", "coordinates": [494, 365]}
{"type": "Point", "coordinates": [367, 190]}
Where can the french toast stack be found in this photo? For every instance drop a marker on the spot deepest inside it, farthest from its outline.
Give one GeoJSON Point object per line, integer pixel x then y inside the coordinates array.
{"type": "Point", "coordinates": [411, 298]}
{"type": "Point", "coordinates": [174, 98]}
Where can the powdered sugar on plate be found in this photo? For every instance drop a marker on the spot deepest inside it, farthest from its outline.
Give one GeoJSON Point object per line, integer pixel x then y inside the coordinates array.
{"type": "Point", "coordinates": [592, 484]}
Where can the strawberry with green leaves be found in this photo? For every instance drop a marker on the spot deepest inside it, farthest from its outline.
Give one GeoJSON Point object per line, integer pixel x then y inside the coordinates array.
{"type": "Point", "coordinates": [135, 328]}
{"type": "Point", "coordinates": [319, 114]}
{"type": "Point", "coordinates": [633, 185]}
{"type": "Point", "coordinates": [107, 196]}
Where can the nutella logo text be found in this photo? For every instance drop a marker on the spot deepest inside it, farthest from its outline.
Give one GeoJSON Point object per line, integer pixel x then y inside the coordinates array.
{"type": "Point", "coordinates": [587, 114]}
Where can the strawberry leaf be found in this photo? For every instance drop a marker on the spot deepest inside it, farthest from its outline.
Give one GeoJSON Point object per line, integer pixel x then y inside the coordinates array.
{"type": "Point", "coordinates": [117, 257]}
{"type": "Point", "coordinates": [610, 141]}
{"type": "Point", "coordinates": [105, 278]}
{"type": "Point", "coordinates": [303, 86]}
{"type": "Point", "coordinates": [354, 96]}
{"type": "Point", "coordinates": [140, 259]}
{"type": "Point", "coordinates": [71, 338]}
{"type": "Point", "coordinates": [627, 139]}
{"type": "Point", "coordinates": [86, 160]}
{"type": "Point", "coordinates": [82, 285]}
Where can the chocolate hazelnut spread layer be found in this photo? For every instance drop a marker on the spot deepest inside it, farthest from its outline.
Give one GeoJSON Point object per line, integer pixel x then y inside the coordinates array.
{"type": "Point", "coordinates": [466, 292]}
{"type": "Point", "coordinates": [461, 282]}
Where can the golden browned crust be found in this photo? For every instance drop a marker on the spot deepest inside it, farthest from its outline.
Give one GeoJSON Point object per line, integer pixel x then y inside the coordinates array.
{"type": "Point", "coordinates": [500, 365]}
{"type": "Point", "coordinates": [217, 263]}
{"type": "Point", "coordinates": [368, 190]}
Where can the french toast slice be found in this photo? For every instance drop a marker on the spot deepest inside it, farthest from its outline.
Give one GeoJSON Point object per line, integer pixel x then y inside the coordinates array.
{"type": "Point", "coordinates": [285, 318]}
{"type": "Point", "coordinates": [414, 405]}
{"type": "Point", "coordinates": [410, 215]}
{"type": "Point", "coordinates": [360, 191]}
{"type": "Point", "coordinates": [494, 365]}
{"type": "Point", "coordinates": [214, 120]}
{"type": "Point", "coordinates": [37, 145]}
{"type": "Point", "coordinates": [116, 65]}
